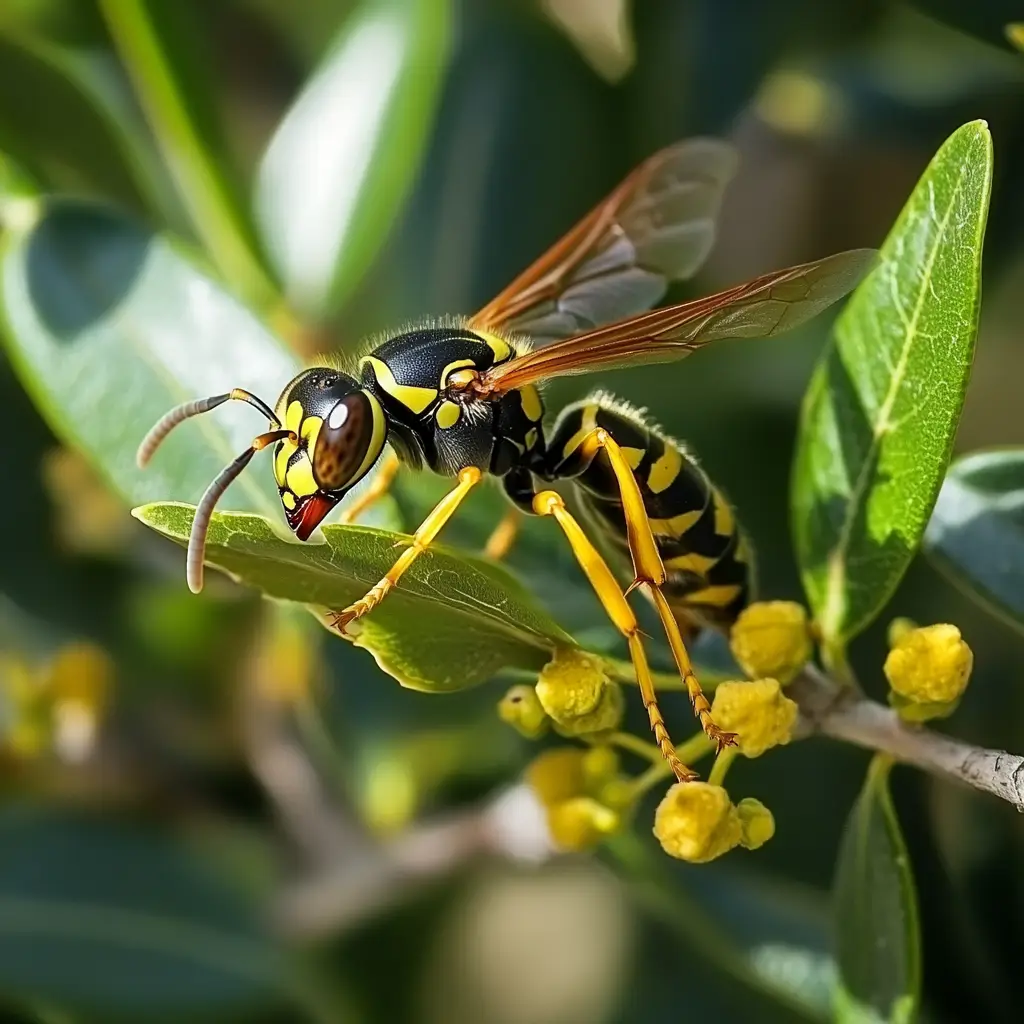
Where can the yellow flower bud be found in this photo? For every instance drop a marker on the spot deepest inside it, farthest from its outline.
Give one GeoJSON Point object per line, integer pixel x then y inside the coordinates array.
{"type": "Point", "coordinates": [575, 689]}
{"type": "Point", "coordinates": [921, 711]}
{"type": "Point", "coordinates": [81, 673]}
{"type": "Point", "coordinates": [581, 823]}
{"type": "Point", "coordinates": [521, 709]}
{"type": "Point", "coordinates": [757, 824]}
{"type": "Point", "coordinates": [899, 628]}
{"type": "Point", "coordinates": [771, 638]}
{"type": "Point", "coordinates": [697, 822]}
{"type": "Point", "coordinates": [930, 665]}
{"type": "Point", "coordinates": [556, 775]}
{"type": "Point", "coordinates": [600, 764]}
{"type": "Point", "coordinates": [760, 714]}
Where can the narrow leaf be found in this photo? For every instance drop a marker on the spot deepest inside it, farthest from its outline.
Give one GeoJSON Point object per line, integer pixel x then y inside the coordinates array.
{"type": "Point", "coordinates": [882, 408]}
{"type": "Point", "coordinates": [162, 54]}
{"type": "Point", "coordinates": [109, 327]}
{"type": "Point", "coordinates": [105, 919]}
{"type": "Point", "coordinates": [976, 532]}
{"type": "Point", "coordinates": [338, 169]}
{"type": "Point", "coordinates": [57, 127]}
{"type": "Point", "coordinates": [878, 941]}
{"type": "Point", "coordinates": [454, 620]}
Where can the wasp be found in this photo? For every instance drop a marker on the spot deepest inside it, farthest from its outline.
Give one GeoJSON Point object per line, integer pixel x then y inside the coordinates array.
{"type": "Point", "coordinates": [461, 398]}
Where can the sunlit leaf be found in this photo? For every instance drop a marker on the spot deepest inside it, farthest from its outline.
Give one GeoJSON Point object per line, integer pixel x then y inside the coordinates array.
{"type": "Point", "coordinates": [882, 408]}
{"type": "Point", "coordinates": [100, 917]}
{"type": "Point", "coordinates": [878, 941]}
{"type": "Point", "coordinates": [977, 529]}
{"type": "Point", "coordinates": [109, 326]}
{"type": "Point", "coordinates": [454, 620]}
{"type": "Point", "coordinates": [338, 169]}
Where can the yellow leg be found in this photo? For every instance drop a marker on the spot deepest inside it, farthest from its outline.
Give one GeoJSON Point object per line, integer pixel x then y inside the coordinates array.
{"type": "Point", "coordinates": [504, 536]}
{"type": "Point", "coordinates": [548, 503]}
{"type": "Point", "coordinates": [422, 539]}
{"type": "Point", "coordinates": [379, 486]}
{"type": "Point", "coordinates": [649, 572]}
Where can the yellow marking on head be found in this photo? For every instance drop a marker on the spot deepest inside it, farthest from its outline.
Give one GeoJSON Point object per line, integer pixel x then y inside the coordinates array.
{"type": "Point", "coordinates": [665, 469]}
{"type": "Point", "coordinates": [300, 478]}
{"type": "Point", "coordinates": [311, 430]}
{"type": "Point", "coordinates": [457, 364]}
{"type": "Point", "coordinates": [499, 346]}
{"type": "Point", "coordinates": [588, 424]}
{"type": "Point", "coordinates": [284, 453]}
{"type": "Point", "coordinates": [532, 408]}
{"type": "Point", "coordinates": [413, 398]}
{"type": "Point", "coordinates": [677, 525]}
{"type": "Point", "coordinates": [633, 456]}
{"type": "Point", "coordinates": [692, 562]}
{"type": "Point", "coordinates": [288, 500]}
{"type": "Point", "coordinates": [531, 437]}
{"type": "Point", "coordinates": [293, 417]}
{"type": "Point", "coordinates": [725, 524]}
{"type": "Point", "coordinates": [448, 414]}
{"type": "Point", "coordinates": [719, 596]}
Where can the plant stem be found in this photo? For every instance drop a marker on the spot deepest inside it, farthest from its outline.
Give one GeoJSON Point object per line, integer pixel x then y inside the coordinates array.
{"type": "Point", "coordinates": [721, 766]}
{"type": "Point", "coordinates": [832, 709]}
{"type": "Point", "coordinates": [217, 215]}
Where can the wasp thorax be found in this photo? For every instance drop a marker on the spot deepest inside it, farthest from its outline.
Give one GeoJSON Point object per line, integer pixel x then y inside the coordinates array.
{"type": "Point", "coordinates": [344, 443]}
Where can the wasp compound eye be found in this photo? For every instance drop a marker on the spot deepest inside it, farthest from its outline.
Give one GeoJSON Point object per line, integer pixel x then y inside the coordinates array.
{"type": "Point", "coordinates": [344, 442]}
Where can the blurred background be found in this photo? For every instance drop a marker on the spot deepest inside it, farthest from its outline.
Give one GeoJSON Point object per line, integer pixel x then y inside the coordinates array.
{"type": "Point", "coordinates": [213, 809]}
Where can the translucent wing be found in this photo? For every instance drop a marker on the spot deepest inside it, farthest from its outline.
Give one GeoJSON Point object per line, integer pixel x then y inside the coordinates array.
{"type": "Point", "coordinates": [761, 308]}
{"type": "Point", "coordinates": [657, 226]}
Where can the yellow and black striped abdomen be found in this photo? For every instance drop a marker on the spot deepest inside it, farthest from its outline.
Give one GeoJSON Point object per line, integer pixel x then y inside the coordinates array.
{"type": "Point", "coordinates": [706, 555]}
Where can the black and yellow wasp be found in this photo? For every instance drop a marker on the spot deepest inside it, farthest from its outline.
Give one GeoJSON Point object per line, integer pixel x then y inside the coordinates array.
{"type": "Point", "coordinates": [461, 398]}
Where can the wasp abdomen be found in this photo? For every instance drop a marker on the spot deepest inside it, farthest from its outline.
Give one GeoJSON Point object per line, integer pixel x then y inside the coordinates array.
{"type": "Point", "coordinates": [706, 555]}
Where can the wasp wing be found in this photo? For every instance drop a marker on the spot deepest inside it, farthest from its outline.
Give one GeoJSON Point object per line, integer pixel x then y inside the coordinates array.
{"type": "Point", "coordinates": [761, 308]}
{"type": "Point", "coordinates": [657, 226]}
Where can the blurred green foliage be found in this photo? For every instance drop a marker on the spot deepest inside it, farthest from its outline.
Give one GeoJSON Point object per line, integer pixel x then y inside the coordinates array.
{"type": "Point", "coordinates": [169, 867]}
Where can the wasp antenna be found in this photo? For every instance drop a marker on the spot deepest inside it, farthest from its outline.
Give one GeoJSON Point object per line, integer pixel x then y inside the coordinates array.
{"type": "Point", "coordinates": [187, 410]}
{"type": "Point", "coordinates": [204, 510]}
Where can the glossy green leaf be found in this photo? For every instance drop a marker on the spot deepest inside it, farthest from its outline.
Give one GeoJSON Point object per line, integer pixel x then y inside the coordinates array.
{"type": "Point", "coordinates": [343, 159]}
{"type": "Point", "coordinates": [882, 408]}
{"type": "Point", "coordinates": [976, 532]}
{"type": "Point", "coordinates": [109, 326]}
{"type": "Point", "coordinates": [454, 621]}
{"type": "Point", "coordinates": [878, 941]}
{"type": "Point", "coordinates": [126, 924]}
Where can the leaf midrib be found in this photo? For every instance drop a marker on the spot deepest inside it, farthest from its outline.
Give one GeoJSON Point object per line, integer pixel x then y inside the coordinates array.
{"type": "Point", "coordinates": [835, 581]}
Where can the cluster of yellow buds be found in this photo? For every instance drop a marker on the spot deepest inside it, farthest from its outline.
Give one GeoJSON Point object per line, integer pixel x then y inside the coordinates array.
{"type": "Point", "coordinates": [583, 793]}
{"type": "Point", "coordinates": [574, 694]}
{"type": "Point", "coordinates": [56, 706]}
{"type": "Point", "coordinates": [772, 639]}
{"type": "Point", "coordinates": [697, 822]}
{"type": "Point", "coordinates": [928, 668]}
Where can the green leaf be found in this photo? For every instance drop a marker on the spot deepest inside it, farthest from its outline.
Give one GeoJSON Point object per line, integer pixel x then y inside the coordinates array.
{"type": "Point", "coordinates": [164, 56]}
{"type": "Point", "coordinates": [976, 532]}
{"type": "Point", "coordinates": [339, 167]}
{"type": "Point", "coordinates": [109, 327]}
{"type": "Point", "coordinates": [123, 923]}
{"type": "Point", "coordinates": [54, 123]}
{"type": "Point", "coordinates": [453, 622]}
{"type": "Point", "coordinates": [882, 408]}
{"type": "Point", "coordinates": [878, 941]}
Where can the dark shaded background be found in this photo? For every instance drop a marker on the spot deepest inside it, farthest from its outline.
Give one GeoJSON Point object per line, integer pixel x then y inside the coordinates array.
{"type": "Point", "coordinates": [837, 108]}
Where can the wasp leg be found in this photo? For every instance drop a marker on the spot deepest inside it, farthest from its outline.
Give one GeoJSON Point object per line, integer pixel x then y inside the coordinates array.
{"type": "Point", "coordinates": [649, 573]}
{"type": "Point", "coordinates": [504, 535]}
{"type": "Point", "coordinates": [379, 486]}
{"type": "Point", "coordinates": [548, 503]}
{"type": "Point", "coordinates": [422, 539]}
